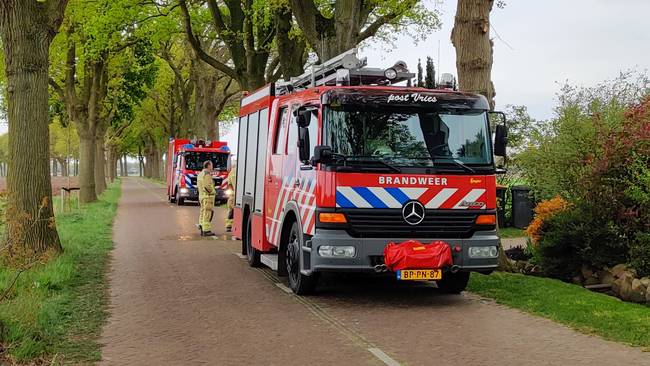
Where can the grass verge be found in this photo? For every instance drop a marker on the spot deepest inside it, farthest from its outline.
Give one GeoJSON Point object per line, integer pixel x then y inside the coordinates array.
{"type": "Point", "coordinates": [511, 232]}
{"type": "Point", "coordinates": [55, 311]}
{"type": "Point", "coordinates": [572, 305]}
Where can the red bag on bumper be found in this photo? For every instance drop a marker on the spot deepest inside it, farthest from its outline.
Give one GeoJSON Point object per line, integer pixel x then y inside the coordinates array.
{"type": "Point", "coordinates": [412, 254]}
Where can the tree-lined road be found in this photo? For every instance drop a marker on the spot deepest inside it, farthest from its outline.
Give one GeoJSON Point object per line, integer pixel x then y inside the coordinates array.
{"type": "Point", "coordinates": [179, 299]}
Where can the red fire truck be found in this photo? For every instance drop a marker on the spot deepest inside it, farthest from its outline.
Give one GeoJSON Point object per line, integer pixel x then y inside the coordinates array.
{"type": "Point", "coordinates": [340, 161]}
{"type": "Point", "coordinates": [185, 160]}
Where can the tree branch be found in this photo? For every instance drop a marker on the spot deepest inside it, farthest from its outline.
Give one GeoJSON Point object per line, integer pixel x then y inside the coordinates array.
{"type": "Point", "coordinates": [56, 10]}
{"type": "Point", "coordinates": [57, 89]}
{"type": "Point", "coordinates": [194, 42]}
{"type": "Point", "coordinates": [307, 15]}
{"type": "Point", "coordinates": [372, 29]}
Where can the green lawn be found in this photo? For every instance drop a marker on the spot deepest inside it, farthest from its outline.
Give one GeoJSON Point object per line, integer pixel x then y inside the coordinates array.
{"type": "Point", "coordinates": [511, 232]}
{"type": "Point", "coordinates": [581, 309]}
{"type": "Point", "coordinates": [55, 311]}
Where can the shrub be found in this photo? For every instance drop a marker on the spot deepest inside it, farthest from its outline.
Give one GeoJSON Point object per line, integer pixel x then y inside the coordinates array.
{"type": "Point", "coordinates": [578, 236]}
{"type": "Point", "coordinates": [543, 211]}
{"type": "Point", "coordinates": [640, 254]}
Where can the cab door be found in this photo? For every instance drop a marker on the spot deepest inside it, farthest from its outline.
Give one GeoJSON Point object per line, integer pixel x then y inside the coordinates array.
{"type": "Point", "coordinates": [275, 185]}
{"type": "Point", "coordinates": [305, 138]}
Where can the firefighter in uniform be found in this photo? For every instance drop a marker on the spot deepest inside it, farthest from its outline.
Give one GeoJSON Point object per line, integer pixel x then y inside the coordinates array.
{"type": "Point", "coordinates": [232, 178]}
{"type": "Point", "coordinates": [206, 198]}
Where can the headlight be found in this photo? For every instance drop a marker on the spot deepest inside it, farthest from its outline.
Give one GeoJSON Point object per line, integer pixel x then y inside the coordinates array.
{"type": "Point", "coordinates": [483, 252]}
{"type": "Point", "coordinates": [390, 74]}
{"type": "Point", "coordinates": [185, 190]}
{"type": "Point", "coordinates": [229, 192]}
{"type": "Point", "coordinates": [331, 251]}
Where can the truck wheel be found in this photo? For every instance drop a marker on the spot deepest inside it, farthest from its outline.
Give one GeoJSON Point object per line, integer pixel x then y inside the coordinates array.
{"type": "Point", "coordinates": [178, 199]}
{"type": "Point", "coordinates": [252, 254]}
{"type": "Point", "coordinates": [299, 283]}
{"type": "Point", "coordinates": [172, 198]}
{"type": "Point", "coordinates": [454, 283]}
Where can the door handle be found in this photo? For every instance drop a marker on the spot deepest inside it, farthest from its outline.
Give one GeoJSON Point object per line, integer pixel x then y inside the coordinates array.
{"type": "Point", "coordinates": [297, 183]}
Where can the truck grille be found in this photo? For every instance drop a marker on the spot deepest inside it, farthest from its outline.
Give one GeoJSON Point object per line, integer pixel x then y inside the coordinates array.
{"type": "Point", "coordinates": [375, 223]}
{"type": "Point", "coordinates": [217, 181]}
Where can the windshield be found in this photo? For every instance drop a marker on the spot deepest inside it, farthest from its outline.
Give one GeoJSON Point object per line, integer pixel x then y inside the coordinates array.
{"type": "Point", "coordinates": [194, 160]}
{"type": "Point", "coordinates": [409, 137]}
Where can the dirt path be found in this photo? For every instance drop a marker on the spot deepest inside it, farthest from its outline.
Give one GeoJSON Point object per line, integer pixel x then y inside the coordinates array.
{"type": "Point", "coordinates": [178, 299]}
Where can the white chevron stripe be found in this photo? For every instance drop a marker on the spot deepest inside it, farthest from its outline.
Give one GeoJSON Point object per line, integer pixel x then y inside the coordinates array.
{"type": "Point", "coordinates": [472, 196]}
{"type": "Point", "coordinates": [276, 212]}
{"type": "Point", "coordinates": [441, 197]}
{"type": "Point", "coordinates": [353, 197]}
{"type": "Point", "coordinates": [413, 193]}
{"type": "Point", "coordinates": [385, 197]}
{"type": "Point", "coordinates": [289, 191]}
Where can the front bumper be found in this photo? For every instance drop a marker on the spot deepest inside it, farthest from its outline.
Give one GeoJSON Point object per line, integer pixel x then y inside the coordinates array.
{"type": "Point", "coordinates": [370, 251]}
{"type": "Point", "coordinates": [192, 194]}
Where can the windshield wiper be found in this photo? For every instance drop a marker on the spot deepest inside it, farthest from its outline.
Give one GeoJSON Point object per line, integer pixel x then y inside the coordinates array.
{"type": "Point", "coordinates": [455, 162]}
{"type": "Point", "coordinates": [354, 159]}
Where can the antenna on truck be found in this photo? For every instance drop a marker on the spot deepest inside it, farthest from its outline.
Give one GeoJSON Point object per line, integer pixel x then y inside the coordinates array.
{"type": "Point", "coordinates": [346, 69]}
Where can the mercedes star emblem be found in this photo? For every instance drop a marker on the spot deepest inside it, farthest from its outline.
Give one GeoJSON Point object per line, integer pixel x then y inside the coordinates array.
{"type": "Point", "coordinates": [413, 212]}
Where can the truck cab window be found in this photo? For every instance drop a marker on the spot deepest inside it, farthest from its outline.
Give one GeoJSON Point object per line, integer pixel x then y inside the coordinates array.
{"type": "Point", "coordinates": [279, 145]}
{"type": "Point", "coordinates": [292, 140]}
{"type": "Point", "coordinates": [313, 131]}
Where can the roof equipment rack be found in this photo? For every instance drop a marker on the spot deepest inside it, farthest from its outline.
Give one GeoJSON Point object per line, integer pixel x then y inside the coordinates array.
{"type": "Point", "coordinates": [346, 69]}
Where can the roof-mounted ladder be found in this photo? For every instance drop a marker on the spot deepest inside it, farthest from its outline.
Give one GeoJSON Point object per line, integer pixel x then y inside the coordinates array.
{"type": "Point", "coordinates": [346, 69]}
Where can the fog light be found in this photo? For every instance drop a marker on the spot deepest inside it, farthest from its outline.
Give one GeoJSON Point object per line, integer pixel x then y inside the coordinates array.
{"type": "Point", "coordinates": [483, 252]}
{"type": "Point", "coordinates": [331, 251]}
{"type": "Point", "coordinates": [229, 192]}
{"type": "Point", "coordinates": [185, 190]}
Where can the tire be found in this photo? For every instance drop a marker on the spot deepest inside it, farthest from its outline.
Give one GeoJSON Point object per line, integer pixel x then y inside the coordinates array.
{"type": "Point", "coordinates": [179, 201]}
{"type": "Point", "coordinates": [299, 283]}
{"type": "Point", "coordinates": [454, 283]}
{"type": "Point", "coordinates": [172, 198]}
{"type": "Point", "coordinates": [252, 254]}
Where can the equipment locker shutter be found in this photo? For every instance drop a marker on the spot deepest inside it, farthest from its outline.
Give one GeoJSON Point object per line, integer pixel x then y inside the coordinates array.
{"type": "Point", "coordinates": [261, 159]}
{"type": "Point", "coordinates": [241, 160]}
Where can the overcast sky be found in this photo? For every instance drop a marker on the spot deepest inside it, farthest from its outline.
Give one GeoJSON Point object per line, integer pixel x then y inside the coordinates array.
{"type": "Point", "coordinates": [540, 44]}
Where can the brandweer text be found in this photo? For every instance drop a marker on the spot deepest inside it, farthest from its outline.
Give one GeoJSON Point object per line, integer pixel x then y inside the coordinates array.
{"type": "Point", "coordinates": [424, 181]}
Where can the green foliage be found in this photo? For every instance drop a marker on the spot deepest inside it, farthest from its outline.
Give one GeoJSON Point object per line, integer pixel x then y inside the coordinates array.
{"type": "Point", "coordinates": [568, 304]}
{"type": "Point", "coordinates": [430, 79]}
{"type": "Point", "coordinates": [579, 235]}
{"type": "Point", "coordinates": [416, 21]}
{"type": "Point", "coordinates": [64, 141]}
{"type": "Point", "coordinates": [640, 254]}
{"type": "Point", "coordinates": [557, 151]}
{"type": "Point", "coordinates": [596, 155]}
{"type": "Point", "coordinates": [59, 307]}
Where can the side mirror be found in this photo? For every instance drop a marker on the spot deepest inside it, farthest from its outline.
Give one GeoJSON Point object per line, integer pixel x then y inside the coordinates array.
{"type": "Point", "coordinates": [303, 143]}
{"type": "Point", "coordinates": [322, 154]}
{"type": "Point", "coordinates": [500, 140]}
{"type": "Point", "coordinates": [303, 117]}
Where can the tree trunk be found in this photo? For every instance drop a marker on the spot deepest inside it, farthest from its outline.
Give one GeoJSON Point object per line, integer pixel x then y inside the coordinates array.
{"type": "Point", "coordinates": [87, 152]}
{"type": "Point", "coordinates": [125, 172]}
{"type": "Point", "coordinates": [291, 50]}
{"type": "Point", "coordinates": [27, 29]}
{"type": "Point", "coordinates": [63, 162]}
{"type": "Point", "coordinates": [100, 163]}
{"type": "Point", "coordinates": [55, 168]}
{"type": "Point", "coordinates": [471, 38]}
{"type": "Point", "coordinates": [112, 159]}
